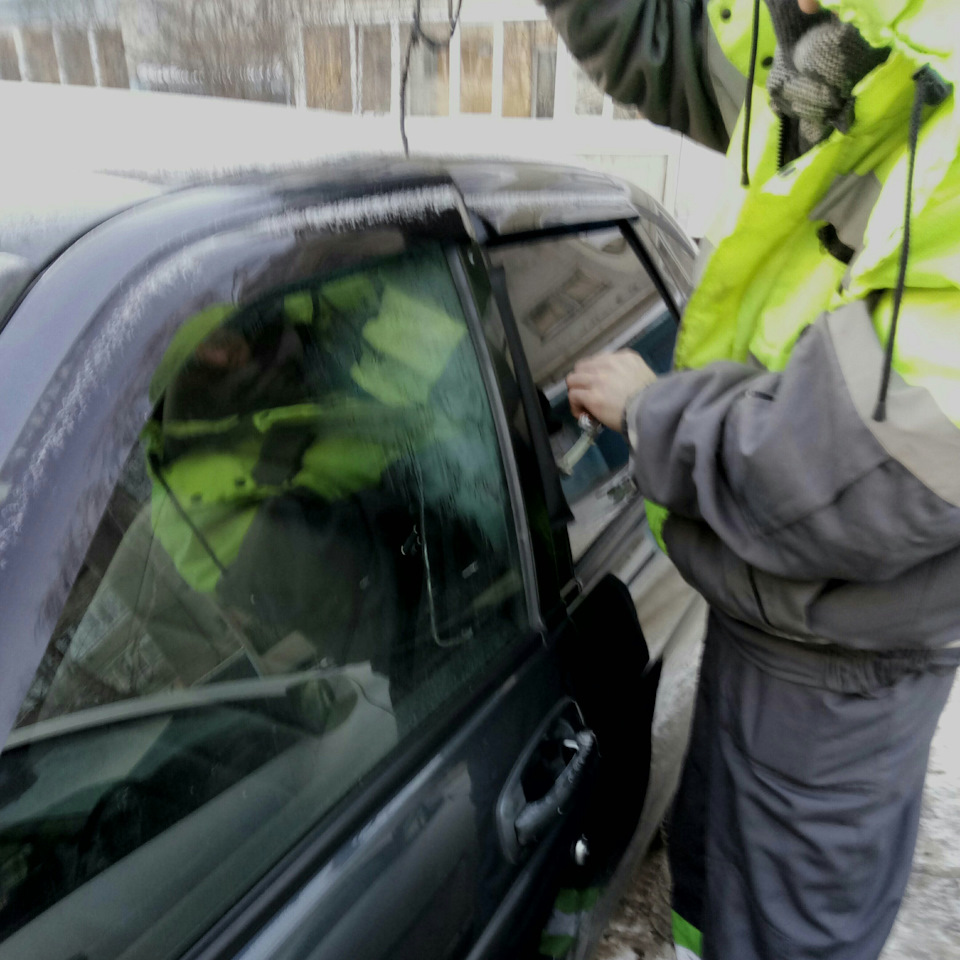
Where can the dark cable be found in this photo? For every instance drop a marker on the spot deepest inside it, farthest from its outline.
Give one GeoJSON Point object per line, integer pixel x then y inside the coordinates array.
{"type": "Point", "coordinates": [403, 92]}
{"type": "Point", "coordinates": [416, 35]}
{"type": "Point", "coordinates": [748, 106]}
{"type": "Point", "coordinates": [930, 89]}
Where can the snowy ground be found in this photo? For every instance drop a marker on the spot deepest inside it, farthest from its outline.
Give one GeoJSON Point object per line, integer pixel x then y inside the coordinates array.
{"type": "Point", "coordinates": [928, 927]}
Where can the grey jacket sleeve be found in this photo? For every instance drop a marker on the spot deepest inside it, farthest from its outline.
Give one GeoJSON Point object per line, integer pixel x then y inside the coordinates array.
{"type": "Point", "coordinates": [788, 470]}
{"type": "Point", "coordinates": [652, 53]}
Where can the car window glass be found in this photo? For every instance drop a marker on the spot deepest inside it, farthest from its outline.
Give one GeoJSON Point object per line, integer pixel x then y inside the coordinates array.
{"type": "Point", "coordinates": [309, 552]}
{"type": "Point", "coordinates": [674, 258]}
{"type": "Point", "coordinates": [572, 297]}
{"type": "Point", "coordinates": [553, 564]}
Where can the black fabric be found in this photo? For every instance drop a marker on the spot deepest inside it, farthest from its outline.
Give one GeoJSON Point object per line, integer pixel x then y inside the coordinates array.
{"type": "Point", "coordinates": [649, 53]}
{"type": "Point", "coordinates": [686, 827]}
{"type": "Point", "coordinates": [832, 243]}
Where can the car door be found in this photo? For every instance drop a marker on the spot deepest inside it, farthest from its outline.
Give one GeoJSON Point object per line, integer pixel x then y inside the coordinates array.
{"type": "Point", "coordinates": [571, 292]}
{"type": "Point", "coordinates": [285, 670]}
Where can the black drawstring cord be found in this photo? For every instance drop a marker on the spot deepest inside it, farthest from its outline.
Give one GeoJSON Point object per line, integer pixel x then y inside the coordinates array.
{"type": "Point", "coordinates": [417, 35]}
{"type": "Point", "coordinates": [748, 106]}
{"type": "Point", "coordinates": [931, 90]}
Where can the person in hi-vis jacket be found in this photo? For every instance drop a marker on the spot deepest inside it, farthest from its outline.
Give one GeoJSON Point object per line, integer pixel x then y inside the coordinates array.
{"type": "Point", "coordinates": [802, 462]}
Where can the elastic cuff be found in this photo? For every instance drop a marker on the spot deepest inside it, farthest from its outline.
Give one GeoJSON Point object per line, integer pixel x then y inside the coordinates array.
{"type": "Point", "coordinates": [686, 936]}
{"type": "Point", "coordinates": [630, 418]}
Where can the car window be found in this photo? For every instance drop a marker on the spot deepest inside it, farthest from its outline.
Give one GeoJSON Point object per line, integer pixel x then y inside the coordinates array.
{"type": "Point", "coordinates": [551, 555]}
{"type": "Point", "coordinates": [310, 551]}
{"type": "Point", "coordinates": [572, 297]}
{"type": "Point", "coordinates": [673, 255]}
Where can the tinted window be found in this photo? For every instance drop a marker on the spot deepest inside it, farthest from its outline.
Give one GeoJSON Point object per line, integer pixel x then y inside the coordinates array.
{"type": "Point", "coordinates": [573, 297]}
{"type": "Point", "coordinates": [310, 550]}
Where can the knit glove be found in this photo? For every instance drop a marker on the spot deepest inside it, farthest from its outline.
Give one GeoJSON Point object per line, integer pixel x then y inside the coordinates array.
{"type": "Point", "coordinates": [817, 63]}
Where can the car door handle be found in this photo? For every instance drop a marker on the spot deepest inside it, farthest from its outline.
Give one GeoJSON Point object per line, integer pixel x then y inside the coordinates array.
{"type": "Point", "coordinates": [540, 789]}
{"type": "Point", "coordinates": [536, 818]}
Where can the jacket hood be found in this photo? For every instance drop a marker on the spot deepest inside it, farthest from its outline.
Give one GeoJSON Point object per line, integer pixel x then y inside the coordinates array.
{"type": "Point", "coordinates": [924, 30]}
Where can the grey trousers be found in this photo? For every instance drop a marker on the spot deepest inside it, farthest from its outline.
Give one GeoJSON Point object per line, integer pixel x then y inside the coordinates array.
{"type": "Point", "coordinates": [793, 832]}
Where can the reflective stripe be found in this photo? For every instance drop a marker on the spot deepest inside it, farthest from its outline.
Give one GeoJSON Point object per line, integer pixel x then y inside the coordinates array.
{"type": "Point", "coordinates": [562, 924]}
{"type": "Point", "coordinates": [704, 253]}
{"type": "Point", "coordinates": [917, 433]}
{"type": "Point", "coordinates": [686, 937]}
{"type": "Point", "coordinates": [847, 205]}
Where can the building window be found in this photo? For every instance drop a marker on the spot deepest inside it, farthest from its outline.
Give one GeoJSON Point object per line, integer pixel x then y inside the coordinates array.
{"type": "Point", "coordinates": [74, 56]}
{"type": "Point", "coordinates": [40, 55]}
{"type": "Point", "coordinates": [112, 58]}
{"type": "Point", "coordinates": [9, 61]}
{"type": "Point", "coordinates": [373, 49]}
{"type": "Point", "coordinates": [589, 95]}
{"type": "Point", "coordinates": [529, 69]}
{"type": "Point", "coordinates": [326, 53]}
{"type": "Point", "coordinates": [476, 69]}
{"type": "Point", "coordinates": [428, 84]}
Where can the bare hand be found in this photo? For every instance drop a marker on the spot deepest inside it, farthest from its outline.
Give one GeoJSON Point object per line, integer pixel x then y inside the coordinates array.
{"type": "Point", "coordinates": [602, 385]}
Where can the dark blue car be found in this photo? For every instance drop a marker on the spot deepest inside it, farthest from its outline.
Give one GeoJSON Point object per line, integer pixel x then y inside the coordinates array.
{"type": "Point", "coordinates": [307, 647]}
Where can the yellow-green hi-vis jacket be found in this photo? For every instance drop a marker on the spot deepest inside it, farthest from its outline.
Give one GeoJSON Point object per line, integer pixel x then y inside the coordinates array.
{"type": "Point", "coordinates": [793, 505]}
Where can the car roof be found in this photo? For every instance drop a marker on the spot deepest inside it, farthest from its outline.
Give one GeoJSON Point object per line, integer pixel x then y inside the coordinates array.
{"type": "Point", "coordinates": [43, 214]}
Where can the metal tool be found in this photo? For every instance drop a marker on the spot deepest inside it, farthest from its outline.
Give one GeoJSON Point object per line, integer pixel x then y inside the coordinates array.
{"type": "Point", "coordinates": [590, 430]}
